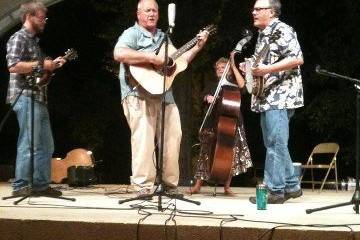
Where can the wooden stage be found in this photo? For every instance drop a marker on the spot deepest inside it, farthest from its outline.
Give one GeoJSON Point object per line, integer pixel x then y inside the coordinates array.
{"type": "Point", "coordinates": [96, 214]}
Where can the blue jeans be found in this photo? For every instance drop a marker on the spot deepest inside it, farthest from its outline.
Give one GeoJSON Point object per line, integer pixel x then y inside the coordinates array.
{"type": "Point", "coordinates": [43, 145]}
{"type": "Point", "coordinates": [279, 171]}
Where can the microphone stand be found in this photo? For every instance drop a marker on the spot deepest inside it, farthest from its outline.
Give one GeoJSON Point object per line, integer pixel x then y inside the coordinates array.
{"type": "Point", "coordinates": [355, 200]}
{"type": "Point", "coordinates": [160, 189]}
{"type": "Point", "coordinates": [32, 85]}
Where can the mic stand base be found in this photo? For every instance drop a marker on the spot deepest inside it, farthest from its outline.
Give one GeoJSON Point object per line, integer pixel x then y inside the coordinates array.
{"type": "Point", "coordinates": [33, 194]}
{"type": "Point", "coordinates": [354, 201]}
{"type": "Point", "coordinates": [160, 192]}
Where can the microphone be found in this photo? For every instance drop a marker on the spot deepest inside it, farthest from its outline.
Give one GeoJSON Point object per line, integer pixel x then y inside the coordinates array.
{"type": "Point", "coordinates": [171, 16]}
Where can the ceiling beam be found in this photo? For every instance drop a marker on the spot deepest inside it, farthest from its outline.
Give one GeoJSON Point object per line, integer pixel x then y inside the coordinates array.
{"type": "Point", "coordinates": [10, 16]}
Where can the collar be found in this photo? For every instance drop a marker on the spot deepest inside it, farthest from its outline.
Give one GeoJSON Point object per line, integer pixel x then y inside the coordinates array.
{"type": "Point", "coordinates": [146, 32]}
{"type": "Point", "coordinates": [27, 32]}
{"type": "Point", "coordinates": [269, 28]}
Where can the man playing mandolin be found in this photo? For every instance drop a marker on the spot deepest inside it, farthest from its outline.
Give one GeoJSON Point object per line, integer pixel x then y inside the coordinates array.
{"type": "Point", "coordinates": [137, 46]}
{"type": "Point", "coordinates": [24, 56]}
{"type": "Point", "coordinates": [283, 93]}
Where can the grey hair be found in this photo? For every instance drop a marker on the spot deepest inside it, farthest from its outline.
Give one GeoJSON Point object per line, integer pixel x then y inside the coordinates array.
{"type": "Point", "coordinates": [31, 7]}
{"type": "Point", "coordinates": [276, 6]}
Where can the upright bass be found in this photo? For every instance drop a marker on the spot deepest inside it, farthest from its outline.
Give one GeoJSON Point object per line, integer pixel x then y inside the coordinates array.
{"type": "Point", "coordinates": [217, 136]}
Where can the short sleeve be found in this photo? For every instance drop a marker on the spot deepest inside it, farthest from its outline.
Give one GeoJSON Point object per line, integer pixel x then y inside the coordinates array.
{"type": "Point", "coordinates": [288, 44]}
{"type": "Point", "coordinates": [15, 47]}
{"type": "Point", "coordinates": [127, 39]}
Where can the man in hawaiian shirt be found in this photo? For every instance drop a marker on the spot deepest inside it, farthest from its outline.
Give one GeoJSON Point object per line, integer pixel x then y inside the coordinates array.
{"type": "Point", "coordinates": [282, 95]}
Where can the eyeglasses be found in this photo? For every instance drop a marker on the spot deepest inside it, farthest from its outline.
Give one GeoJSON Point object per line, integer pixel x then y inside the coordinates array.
{"type": "Point", "coordinates": [258, 9]}
{"type": "Point", "coordinates": [41, 18]}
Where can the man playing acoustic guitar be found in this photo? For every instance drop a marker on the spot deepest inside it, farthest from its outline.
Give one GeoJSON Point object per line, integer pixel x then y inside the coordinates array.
{"type": "Point", "coordinates": [136, 46]}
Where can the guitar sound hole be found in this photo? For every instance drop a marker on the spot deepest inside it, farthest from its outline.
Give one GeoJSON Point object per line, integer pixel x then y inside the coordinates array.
{"type": "Point", "coordinates": [170, 62]}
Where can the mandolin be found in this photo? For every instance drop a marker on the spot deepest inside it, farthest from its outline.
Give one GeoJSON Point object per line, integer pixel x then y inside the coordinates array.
{"type": "Point", "coordinates": [70, 55]}
{"type": "Point", "coordinates": [152, 79]}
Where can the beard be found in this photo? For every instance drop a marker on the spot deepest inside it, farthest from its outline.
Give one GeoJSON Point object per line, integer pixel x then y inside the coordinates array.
{"type": "Point", "coordinates": [39, 28]}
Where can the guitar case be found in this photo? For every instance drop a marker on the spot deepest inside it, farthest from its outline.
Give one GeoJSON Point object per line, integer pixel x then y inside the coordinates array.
{"type": "Point", "coordinates": [80, 176]}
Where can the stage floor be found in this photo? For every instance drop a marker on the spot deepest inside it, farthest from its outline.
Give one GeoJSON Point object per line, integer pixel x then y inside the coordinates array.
{"type": "Point", "coordinates": [96, 214]}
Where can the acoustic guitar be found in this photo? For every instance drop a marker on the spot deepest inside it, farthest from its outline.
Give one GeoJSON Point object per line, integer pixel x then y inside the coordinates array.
{"type": "Point", "coordinates": [76, 157]}
{"type": "Point", "coordinates": [70, 54]}
{"type": "Point", "coordinates": [255, 84]}
{"type": "Point", "coordinates": [152, 79]}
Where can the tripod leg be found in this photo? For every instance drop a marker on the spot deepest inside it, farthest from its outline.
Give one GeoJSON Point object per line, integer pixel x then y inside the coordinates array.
{"type": "Point", "coordinates": [180, 197]}
{"type": "Point", "coordinates": [308, 211]}
{"type": "Point", "coordinates": [356, 200]}
{"type": "Point", "coordinates": [64, 198]}
{"type": "Point", "coordinates": [144, 198]}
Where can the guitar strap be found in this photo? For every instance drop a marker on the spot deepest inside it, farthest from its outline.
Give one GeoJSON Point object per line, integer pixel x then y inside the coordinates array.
{"type": "Point", "coordinates": [160, 45]}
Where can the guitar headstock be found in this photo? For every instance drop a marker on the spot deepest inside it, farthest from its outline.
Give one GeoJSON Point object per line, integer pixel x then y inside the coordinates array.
{"type": "Point", "coordinates": [71, 54]}
{"type": "Point", "coordinates": [247, 37]}
{"type": "Point", "coordinates": [211, 29]}
{"type": "Point", "coordinates": [275, 36]}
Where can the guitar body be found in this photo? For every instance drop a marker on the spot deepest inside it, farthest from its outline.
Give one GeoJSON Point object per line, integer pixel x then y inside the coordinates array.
{"type": "Point", "coordinates": [151, 79]}
{"type": "Point", "coordinates": [58, 170]}
{"type": "Point", "coordinates": [76, 157]}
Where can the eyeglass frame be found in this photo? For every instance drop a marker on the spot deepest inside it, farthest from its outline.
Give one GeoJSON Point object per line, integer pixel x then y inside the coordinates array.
{"type": "Point", "coordinates": [41, 18]}
{"type": "Point", "coordinates": [258, 9]}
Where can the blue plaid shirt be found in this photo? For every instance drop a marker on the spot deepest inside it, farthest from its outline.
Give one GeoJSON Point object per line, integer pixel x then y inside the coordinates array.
{"type": "Point", "coordinates": [283, 90]}
{"type": "Point", "coordinates": [23, 46]}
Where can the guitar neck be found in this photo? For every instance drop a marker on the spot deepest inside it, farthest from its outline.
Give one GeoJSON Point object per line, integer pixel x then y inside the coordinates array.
{"type": "Point", "coordinates": [262, 53]}
{"type": "Point", "coordinates": [184, 48]}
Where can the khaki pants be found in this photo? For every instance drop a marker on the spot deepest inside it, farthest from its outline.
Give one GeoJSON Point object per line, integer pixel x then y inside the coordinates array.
{"type": "Point", "coordinates": [143, 117]}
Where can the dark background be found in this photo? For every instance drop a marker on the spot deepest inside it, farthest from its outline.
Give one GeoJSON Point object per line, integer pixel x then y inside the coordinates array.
{"type": "Point", "coordinates": [84, 96]}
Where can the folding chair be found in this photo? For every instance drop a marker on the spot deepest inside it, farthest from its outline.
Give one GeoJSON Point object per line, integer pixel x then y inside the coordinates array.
{"type": "Point", "coordinates": [324, 149]}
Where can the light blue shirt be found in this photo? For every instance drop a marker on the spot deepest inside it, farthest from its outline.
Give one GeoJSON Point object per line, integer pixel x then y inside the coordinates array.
{"type": "Point", "coordinates": [138, 38]}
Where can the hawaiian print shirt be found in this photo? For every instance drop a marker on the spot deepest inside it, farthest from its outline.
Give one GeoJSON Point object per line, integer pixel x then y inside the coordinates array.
{"type": "Point", "coordinates": [283, 90]}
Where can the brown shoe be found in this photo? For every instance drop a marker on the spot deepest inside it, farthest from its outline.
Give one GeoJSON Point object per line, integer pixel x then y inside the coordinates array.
{"type": "Point", "coordinates": [51, 192]}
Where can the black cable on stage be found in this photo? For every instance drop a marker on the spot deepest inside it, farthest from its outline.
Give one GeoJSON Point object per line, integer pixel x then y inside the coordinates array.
{"type": "Point", "coordinates": [233, 219]}
{"type": "Point", "coordinates": [139, 222]}
{"type": "Point", "coordinates": [172, 218]}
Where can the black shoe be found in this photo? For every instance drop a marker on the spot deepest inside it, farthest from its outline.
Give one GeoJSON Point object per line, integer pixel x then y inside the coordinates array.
{"type": "Point", "coordinates": [22, 192]}
{"type": "Point", "coordinates": [295, 194]}
{"type": "Point", "coordinates": [272, 199]}
{"type": "Point", "coordinates": [50, 192]}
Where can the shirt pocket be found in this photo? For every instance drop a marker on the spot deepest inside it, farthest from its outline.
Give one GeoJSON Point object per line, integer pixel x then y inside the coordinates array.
{"type": "Point", "coordinates": [146, 44]}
